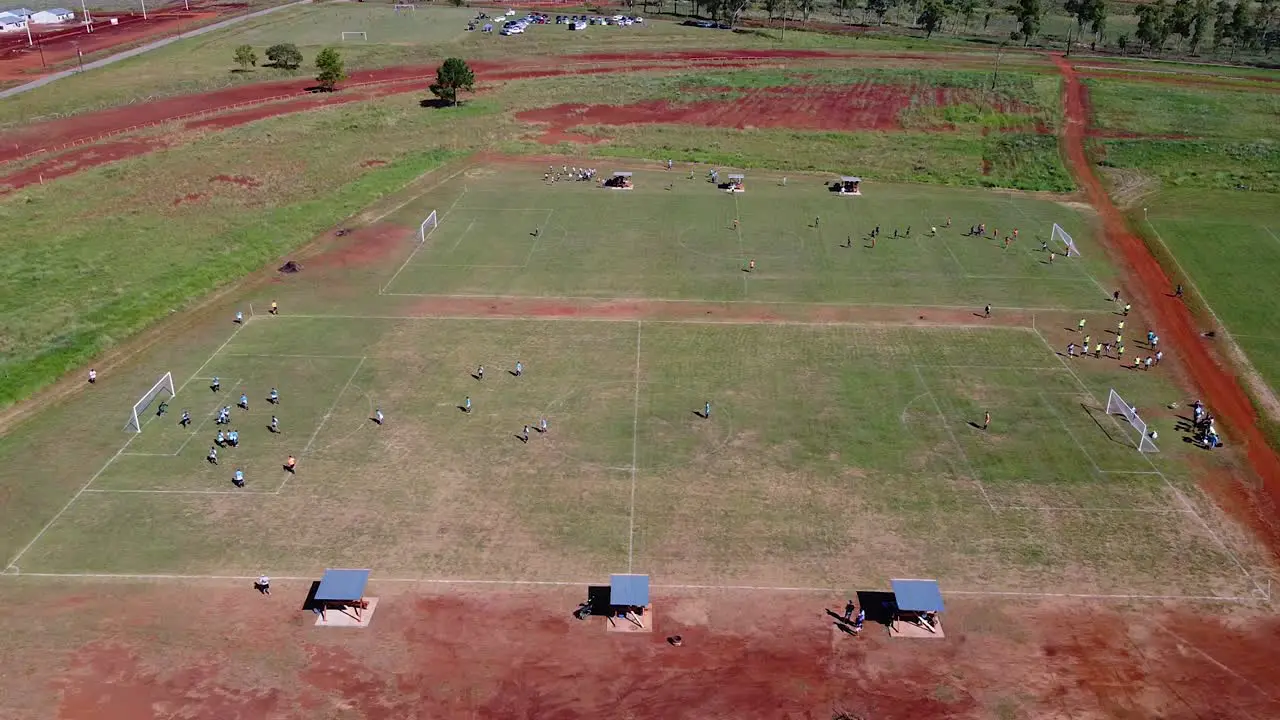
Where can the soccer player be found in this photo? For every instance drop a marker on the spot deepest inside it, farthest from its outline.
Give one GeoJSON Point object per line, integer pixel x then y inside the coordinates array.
{"type": "Point", "coordinates": [275, 308]}
{"type": "Point", "coordinates": [1120, 352]}
{"type": "Point", "coordinates": [1119, 338]}
{"type": "Point", "coordinates": [519, 368]}
{"type": "Point", "coordinates": [542, 425]}
{"type": "Point", "coordinates": [1119, 327]}
{"type": "Point", "coordinates": [1155, 341]}
{"type": "Point", "coordinates": [1126, 308]}
{"type": "Point", "coordinates": [1080, 326]}
{"type": "Point", "coordinates": [908, 231]}
{"type": "Point", "coordinates": [1137, 363]}
{"type": "Point", "coordinates": [524, 435]}
{"type": "Point", "coordinates": [948, 221]}
{"type": "Point", "coordinates": [274, 397]}
{"type": "Point", "coordinates": [706, 410]}
{"type": "Point", "coordinates": [1151, 336]}
{"type": "Point", "coordinates": [1051, 254]}
{"type": "Point", "coordinates": [290, 465]}
{"type": "Point", "coordinates": [221, 440]}
{"type": "Point", "coordinates": [986, 420]}
{"type": "Point", "coordinates": [1086, 342]}
{"type": "Point", "coordinates": [216, 384]}
{"type": "Point", "coordinates": [986, 311]}
{"type": "Point", "coordinates": [480, 373]}
{"type": "Point", "coordinates": [751, 266]}
{"type": "Point", "coordinates": [848, 241]}
{"type": "Point", "coordinates": [1149, 362]}
{"type": "Point", "coordinates": [1097, 350]}
{"type": "Point", "coordinates": [233, 437]}
{"type": "Point", "coordinates": [466, 405]}
{"type": "Point", "coordinates": [876, 232]}
{"type": "Point", "coordinates": [244, 401]}
{"type": "Point", "coordinates": [1015, 233]}
{"type": "Point", "coordinates": [212, 457]}
{"type": "Point", "coordinates": [669, 163]}
{"type": "Point", "coordinates": [1178, 292]}
{"type": "Point", "coordinates": [186, 418]}
{"type": "Point", "coordinates": [164, 408]}
{"type": "Point", "coordinates": [1044, 246]}
{"type": "Point", "coordinates": [238, 478]}
{"type": "Point", "coordinates": [378, 418]}
{"type": "Point", "coordinates": [1071, 349]}
{"type": "Point", "coordinates": [1115, 296]}
{"type": "Point", "coordinates": [933, 230]}
{"type": "Point", "coordinates": [1159, 356]}
{"type": "Point", "coordinates": [239, 317]}
{"type": "Point", "coordinates": [264, 585]}
{"type": "Point", "coordinates": [1006, 242]}
{"type": "Point", "coordinates": [275, 424]}
{"type": "Point", "coordinates": [816, 220]}
{"type": "Point", "coordinates": [735, 223]}
{"type": "Point", "coordinates": [93, 376]}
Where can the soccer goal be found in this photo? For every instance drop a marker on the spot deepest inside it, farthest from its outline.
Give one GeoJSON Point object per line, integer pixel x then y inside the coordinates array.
{"type": "Point", "coordinates": [427, 226]}
{"type": "Point", "coordinates": [355, 35]}
{"type": "Point", "coordinates": [404, 8]}
{"type": "Point", "coordinates": [157, 392]}
{"type": "Point", "coordinates": [1059, 235]}
{"type": "Point", "coordinates": [1117, 406]}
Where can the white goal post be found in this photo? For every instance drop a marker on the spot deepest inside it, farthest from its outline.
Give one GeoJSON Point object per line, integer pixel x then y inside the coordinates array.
{"type": "Point", "coordinates": [163, 385]}
{"type": "Point", "coordinates": [428, 226]}
{"type": "Point", "coordinates": [1060, 236]}
{"type": "Point", "coordinates": [404, 7]}
{"type": "Point", "coordinates": [354, 34]}
{"type": "Point", "coordinates": [1117, 406]}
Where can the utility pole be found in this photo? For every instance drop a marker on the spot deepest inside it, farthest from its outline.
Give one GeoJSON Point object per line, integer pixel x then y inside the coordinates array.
{"type": "Point", "coordinates": [88, 21]}
{"type": "Point", "coordinates": [30, 42]}
{"type": "Point", "coordinates": [144, 9]}
{"type": "Point", "coordinates": [995, 74]}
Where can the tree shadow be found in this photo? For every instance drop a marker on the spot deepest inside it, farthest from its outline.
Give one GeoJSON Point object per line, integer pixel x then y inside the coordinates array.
{"type": "Point", "coordinates": [437, 103]}
{"type": "Point", "coordinates": [241, 71]}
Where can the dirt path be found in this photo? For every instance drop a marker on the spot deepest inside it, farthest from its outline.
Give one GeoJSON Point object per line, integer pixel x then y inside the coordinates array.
{"type": "Point", "coordinates": [1218, 386]}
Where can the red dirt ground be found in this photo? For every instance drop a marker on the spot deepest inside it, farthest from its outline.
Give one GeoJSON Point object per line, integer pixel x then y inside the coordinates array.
{"type": "Point", "coordinates": [177, 651]}
{"type": "Point", "coordinates": [867, 106]}
{"type": "Point", "coordinates": [243, 181]}
{"type": "Point", "coordinates": [188, 198]}
{"type": "Point", "coordinates": [373, 163]}
{"type": "Point", "coordinates": [363, 246]}
{"type": "Point", "coordinates": [1216, 384]}
{"type": "Point", "coordinates": [76, 160]}
{"type": "Point", "coordinates": [18, 61]}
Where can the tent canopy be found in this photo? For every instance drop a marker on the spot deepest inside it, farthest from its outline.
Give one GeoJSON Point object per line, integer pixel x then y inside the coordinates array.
{"type": "Point", "coordinates": [737, 177]}
{"type": "Point", "coordinates": [917, 595]}
{"type": "Point", "coordinates": [849, 178]}
{"type": "Point", "coordinates": [622, 174]}
{"type": "Point", "coordinates": [342, 585]}
{"type": "Point", "coordinates": [629, 590]}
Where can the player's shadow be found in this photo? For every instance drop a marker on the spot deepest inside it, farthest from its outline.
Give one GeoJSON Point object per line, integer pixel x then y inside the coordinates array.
{"type": "Point", "coordinates": [513, 373]}
{"type": "Point", "coordinates": [271, 429]}
{"type": "Point", "coordinates": [461, 408]}
{"type": "Point", "coordinates": [700, 414]}
{"type": "Point", "coordinates": [375, 421]}
{"type": "Point", "coordinates": [522, 438]}
{"type": "Point", "coordinates": [841, 623]}
{"type": "Point", "coordinates": [975, 425]}
{"type": "Point", "coordinates": [477, 376]}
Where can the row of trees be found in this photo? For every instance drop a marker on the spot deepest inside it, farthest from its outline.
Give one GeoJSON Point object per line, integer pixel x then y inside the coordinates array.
{"type": "Point", "coordinates": [1244, 24]}
{"type": "Point", "coordinates": [329, 66]}
{"type": "Point", "coordinates": [1191, 23]}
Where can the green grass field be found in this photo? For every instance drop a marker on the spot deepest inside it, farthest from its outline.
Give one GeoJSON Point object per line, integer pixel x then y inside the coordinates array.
{"type": "Point", "coordinates": [838, 452]}
{"type": "Point", "coordinates": [1227, 242]}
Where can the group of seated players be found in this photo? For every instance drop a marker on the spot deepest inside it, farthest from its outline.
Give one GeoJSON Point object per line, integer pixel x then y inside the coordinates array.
{"type": "Point", "coordinates": [568, 173]}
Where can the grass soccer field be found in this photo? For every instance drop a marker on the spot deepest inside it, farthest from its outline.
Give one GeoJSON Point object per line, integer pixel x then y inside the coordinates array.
{"type": "Point", "coordinates": [844, 444]}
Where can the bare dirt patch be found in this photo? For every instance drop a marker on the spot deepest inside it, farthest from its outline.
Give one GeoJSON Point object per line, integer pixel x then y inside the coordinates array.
{"type": "Point", "coordinates": [373, 163]}
{"type": "Point", "coordinates": [76, 160]}
{"type": "Point", "coordinates": [867, 106]}
{"type": "Point", "coordinates": [188, 198]}
{"type": "Point", "coordinates": [364, 246]}
{"type": "Point", "coordinates": [243, 181]}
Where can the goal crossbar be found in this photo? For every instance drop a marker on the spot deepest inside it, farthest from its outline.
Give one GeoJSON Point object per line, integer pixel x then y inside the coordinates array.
{"type": "Point", "coordinates": [428, 226]}
{"type": "Point", "coordinates": [355, 33]}
{"type": "Point", "coordinates": [1060, 236]}
{"type": "Point", "coordinates": [163, 385]}
{"type": "Point", "coordinates": [1116, 405]}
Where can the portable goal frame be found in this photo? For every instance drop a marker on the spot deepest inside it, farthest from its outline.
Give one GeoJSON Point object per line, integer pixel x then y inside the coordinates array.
{"type": "Point", "coordinates": [428, 226]}
{"type": "Point", "coordinates": [1117, 406]}
{"type": "Point", "coordinates": [1057, 234]}
{"type": "Point", "coordinates": [164, 384]}
{"type": "Point", "coordinates": [363, 35]}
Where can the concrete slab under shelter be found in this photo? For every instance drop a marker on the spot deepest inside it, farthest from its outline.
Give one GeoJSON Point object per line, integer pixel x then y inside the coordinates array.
{"type": "Point", "coordinates": [627, 625]}
{"type": "Point", "coordinates": [904, 629]}
{"type": "Point", "coordinates": [346, 617]}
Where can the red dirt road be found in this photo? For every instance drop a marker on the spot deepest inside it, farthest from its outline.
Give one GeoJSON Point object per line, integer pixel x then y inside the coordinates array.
{"type": "Point", "coordinates": [1220, 389]}
{"type": "Point", "coordinates": [210, 651]}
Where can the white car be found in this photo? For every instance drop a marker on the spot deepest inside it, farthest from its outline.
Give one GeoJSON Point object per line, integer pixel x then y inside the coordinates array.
{"type": "Point", "coordinates": [513, 30]}
{"type": "Point", "coordinates": [580, 25]}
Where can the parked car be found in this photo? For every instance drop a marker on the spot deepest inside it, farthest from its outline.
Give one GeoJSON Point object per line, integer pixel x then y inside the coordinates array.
{"type": "Point", "coordinates": [512, 30]}
{"type": "Point", "coordinates": [579, 25]}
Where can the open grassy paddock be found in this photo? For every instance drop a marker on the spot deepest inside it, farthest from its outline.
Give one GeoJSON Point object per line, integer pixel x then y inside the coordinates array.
{"type": "Point", "coordinates": [840, 450]}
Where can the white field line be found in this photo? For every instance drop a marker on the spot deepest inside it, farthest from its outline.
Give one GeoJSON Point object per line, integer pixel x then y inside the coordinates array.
{"type": "Point", "coordinates": [112, 491]}
{"type": "Point", "coordinates": [671, 321]}
{"type": "Point", "coordinates": [942, 417]}
{"type": "Point", "coordinates": [1067, 508]}
{"type": "Point", "coordinates": [1063, 423]}
{"type": "Point", "coordinates": [1171, 487]}
{"type": "Point", "coordinates": [14, 560]}
{"type": "Point", "coordinates": [440, 219]}
{"type": "Point", "coordinates": [661, 586]}
{"type": "Point", "coordinates": [635, 432]}
{"type": "Point", "coordinates": [1273, 235]}
{"type": "Point", "coordinates": [742, 252]}
{"type": "Point", "coordinates": [659, 301]}
{"type": "Point", "coordinates": [537, 241]}
{"type": "Point", "coordinates": [1219, 664]}
{"type": "Point", "coordinates": [461, 237]}
{"type": "Point", "coordinates": [295, 355]}
{"type": "Point", "coordinates": [336, 400]}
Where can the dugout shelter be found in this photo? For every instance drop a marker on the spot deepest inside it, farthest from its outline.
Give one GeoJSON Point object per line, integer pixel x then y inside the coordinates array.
{"type": "Point", "coordinates": [342, 591]}
{"type": "Point", "coordinates": [620, 180]}
{"type": "Point", "coordinates": [916, 607]}
{"type": "Point", "coordinates": [737, 183]}
{"type": "Point", "coordinates": [629, 597]}
{"type": "Point", "coordinates": [848, 185]}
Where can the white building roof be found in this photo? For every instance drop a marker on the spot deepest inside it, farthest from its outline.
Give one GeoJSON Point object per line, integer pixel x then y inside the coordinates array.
{"type": "Point", "coordinates": [8, 18]}
{"type": "Point", "coordinates": [61, 11]}
{"type": "Point", "coordinates": [20, 12]}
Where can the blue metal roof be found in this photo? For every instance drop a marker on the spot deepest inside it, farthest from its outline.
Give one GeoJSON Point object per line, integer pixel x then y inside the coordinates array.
{"type": "Point", "coordinates": [342, 585]}
{"type": "Point", "coordinates": [917, 595]}
{"type": "Point", "coordinates": [629, 590]}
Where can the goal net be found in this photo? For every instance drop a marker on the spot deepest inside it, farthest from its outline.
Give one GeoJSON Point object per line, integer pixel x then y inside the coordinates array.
{"type": "Point", "coordinates": [354, 35]}
{"type": "Point", "coordinates": [1117, 406]}
{"type": "Point", "coordinates": [162, 390]}
{"type": "Point", "coordinates": [1058, 235]}
{"type": "Point", "coordinates": [427, 226]}
{"type": "Point", "coordinates": [403, 8]}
